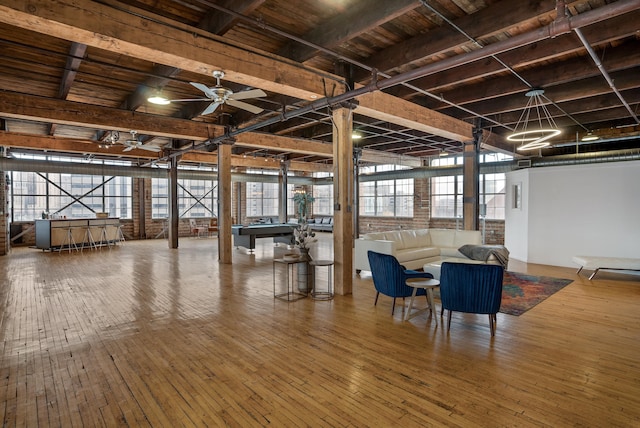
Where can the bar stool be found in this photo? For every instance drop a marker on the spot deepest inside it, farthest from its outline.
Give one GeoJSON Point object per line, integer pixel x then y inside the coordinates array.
{"type": "Point", "coordinates": [69, 240]}
{"type": "Point", "coordinates": [104, 237]}
{"type": "Point", "coordinates": [322, 295]}
{"type": "Point", "coordinates": [88, 238]}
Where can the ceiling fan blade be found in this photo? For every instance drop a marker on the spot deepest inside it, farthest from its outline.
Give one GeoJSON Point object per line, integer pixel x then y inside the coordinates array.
{"type": "Point", "coordinates": [245, 106]}
{"type": "Point", "coordinates": [150, 148]}
{"type": "Point", "coordinates": [253, 93]}
{"type": "Point", "coordinates": [190, 99]}
{"type": "Point", "coordinates": [204, 88]}
{"type": "Point", "coordinates": [212, 107]}
{"type": "Point", "coordinates": [128, 149]}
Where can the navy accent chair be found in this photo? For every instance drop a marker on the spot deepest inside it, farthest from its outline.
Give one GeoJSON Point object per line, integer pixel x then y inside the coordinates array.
{"type": "Point", "coordinates": [390, 277]}
{"type": "Point", "coordinates": [471, 288]}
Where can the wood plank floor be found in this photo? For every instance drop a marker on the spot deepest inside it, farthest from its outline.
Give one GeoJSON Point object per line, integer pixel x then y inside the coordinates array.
{"type": "Point", "coordinates": [142, 335]}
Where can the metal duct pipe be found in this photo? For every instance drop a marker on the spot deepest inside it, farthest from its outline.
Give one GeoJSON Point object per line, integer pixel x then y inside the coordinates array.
{"type": "Point", "coordinates": [559, 26]}
{"type": "Point", "coordinates": [30, 165]}
{"type": "Point", "coordinates": [437, 171]}
{"type": "Point", "coordinates": [604, 73]}
{"type": "Point", "coordinates": [588, 158]}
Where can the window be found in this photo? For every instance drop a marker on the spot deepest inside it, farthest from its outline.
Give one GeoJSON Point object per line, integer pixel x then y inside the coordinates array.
{"type": "Point", "coordinates": [447, 192]}
{"type": "Point", "coordinates": [492, 195]}
{"type": "Point", "coordinates": [196, 198]}
{"type": "Point", "coordinates": [323, 194]}
{"type": "Point", "coordinates": [386, 198]}
{"type": "Point", "coordinates": [68, 194]}
{"type": "Point", "coordinates": [446, 196]}
{"type": "Point", "coordinates": [262, 198]}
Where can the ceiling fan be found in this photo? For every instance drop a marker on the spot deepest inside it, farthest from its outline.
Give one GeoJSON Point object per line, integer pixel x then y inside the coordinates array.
{"type": "Point", "coordinates": [134, 143]}
{"type": "Point", "coordinates": [220, 95]}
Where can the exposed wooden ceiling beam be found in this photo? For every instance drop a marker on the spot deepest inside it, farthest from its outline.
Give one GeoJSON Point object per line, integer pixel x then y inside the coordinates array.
{"type": "Point", "coordinates": [391, 109]}
{"type": "Point", "coordinates": [193, 50]}
{"type": "Point", "coordinates": [68, 145]}
{"type": "Point", "coordinates": [29, 107]}
{"type": "Point", "coordinates": [251, 162]}
{"type": "Point", "coordinates": [120, 32]}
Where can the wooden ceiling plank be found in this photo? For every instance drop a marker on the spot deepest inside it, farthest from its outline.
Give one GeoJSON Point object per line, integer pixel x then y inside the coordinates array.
{"type": "Point", "coordinates": [217, 22]}
{"type": "Point", "coordinates": [575, 71]}
{"type": "Point", "coordinates": [361, 17]}
{"type": "Point", "coordinates": [522, 59]}
{"type": "Point", "coordinates": [511, 13]}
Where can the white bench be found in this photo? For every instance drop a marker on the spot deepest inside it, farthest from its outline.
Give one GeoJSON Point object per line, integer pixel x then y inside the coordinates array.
{"type": "Point", "coordinates": [613, 263]}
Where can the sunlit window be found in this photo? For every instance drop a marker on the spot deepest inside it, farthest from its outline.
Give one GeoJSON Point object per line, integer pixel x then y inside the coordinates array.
{"type": "Point", "coordinates": [386, 198]}
{"type": "Point", "coordinates": [34, 194]}
{"type": "Point", "coordinates": [196, 198]}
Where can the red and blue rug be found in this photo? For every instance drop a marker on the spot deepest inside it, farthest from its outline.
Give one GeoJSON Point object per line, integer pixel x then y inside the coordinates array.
{"type": "Point", "coordinates": [522, 292]}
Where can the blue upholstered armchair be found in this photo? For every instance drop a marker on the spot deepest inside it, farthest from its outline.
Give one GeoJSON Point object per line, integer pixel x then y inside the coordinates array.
{"type": "Point", "coordinates": [389, 277]}
{"type": "Point", "coordinates": [471, 288]}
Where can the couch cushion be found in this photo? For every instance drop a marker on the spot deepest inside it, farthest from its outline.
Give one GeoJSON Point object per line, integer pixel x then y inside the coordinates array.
{"type": "Point", "coordinates": [442, 237]}
{"type": "Point", "coordinates": [464, 237]}
{"type": "Point", "coordinates": [396, 236]}
{"type": "Point", "coordinates": [326, 220]}
{"type": "Point", "coordinates": [374, 236]}
{"type": "Point", "coordinates": [452, 252]}
{"type": "Point", "coordinates": [410, 254]}
{"type": "Point", "coordinates": [416, 238]}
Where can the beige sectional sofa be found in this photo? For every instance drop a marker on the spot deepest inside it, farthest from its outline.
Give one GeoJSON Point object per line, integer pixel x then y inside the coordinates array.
{"type": "Point", "coordinates": [415, 248]}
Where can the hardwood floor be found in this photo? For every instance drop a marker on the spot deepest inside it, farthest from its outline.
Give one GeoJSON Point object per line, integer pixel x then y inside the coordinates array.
{"type": "Point", "coordinates": [145, 335]}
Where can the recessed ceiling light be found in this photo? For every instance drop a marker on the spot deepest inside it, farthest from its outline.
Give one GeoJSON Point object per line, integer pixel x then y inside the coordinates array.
{"type": "Point", "coordinates": [158, 98]}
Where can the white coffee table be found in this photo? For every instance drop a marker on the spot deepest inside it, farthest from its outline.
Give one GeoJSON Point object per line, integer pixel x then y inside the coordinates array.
{"type": "Point", "coordinates": [428, 285]}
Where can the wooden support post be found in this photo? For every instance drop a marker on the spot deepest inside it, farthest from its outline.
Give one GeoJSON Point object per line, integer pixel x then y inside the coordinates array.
{"type": "Point", "coordinates": [343, 200]}
{"type": "Point", "coordinates": [225, 246]}
{"type": "Point", "coordinates": [471, 181]}
{"type": "Point", "coordinates": [283, 181]}
{"type": "Point", "coordinates": [174, 215]}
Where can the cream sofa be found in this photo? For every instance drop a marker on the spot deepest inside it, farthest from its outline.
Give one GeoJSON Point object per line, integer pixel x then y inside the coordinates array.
{"type": "Point", "coordinates": [414, 248]}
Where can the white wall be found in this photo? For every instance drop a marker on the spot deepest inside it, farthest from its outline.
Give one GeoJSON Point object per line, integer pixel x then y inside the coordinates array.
{"type": "Point", "coordinates": [591, 209]}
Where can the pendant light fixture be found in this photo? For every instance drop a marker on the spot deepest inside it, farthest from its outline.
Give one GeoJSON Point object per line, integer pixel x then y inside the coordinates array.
{"type": "Point", "coordinates": [542, 128]}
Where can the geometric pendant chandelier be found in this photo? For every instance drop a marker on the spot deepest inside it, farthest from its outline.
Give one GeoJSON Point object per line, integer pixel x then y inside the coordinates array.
{"type": "Point", "coordinates": [536, 134]}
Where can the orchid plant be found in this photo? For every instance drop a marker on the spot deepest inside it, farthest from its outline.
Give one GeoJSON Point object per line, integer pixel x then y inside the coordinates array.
{"type": "Point", "coordinates": [304, 236]}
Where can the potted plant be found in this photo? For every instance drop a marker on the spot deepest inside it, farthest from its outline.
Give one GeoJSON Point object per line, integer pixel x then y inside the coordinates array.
{"type": "Point", "coordinates": [302, 199]}
{"type": "Point", "coordinates": [303, 237]}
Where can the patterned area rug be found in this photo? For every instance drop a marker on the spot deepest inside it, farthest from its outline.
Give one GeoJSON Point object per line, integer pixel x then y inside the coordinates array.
{"type": "Point", "coordinates": [522, 292]}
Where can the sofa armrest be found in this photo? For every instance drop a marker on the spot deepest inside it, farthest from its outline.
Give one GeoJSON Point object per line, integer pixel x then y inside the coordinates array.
{"type": "Point", "coordinates": [361, 261]}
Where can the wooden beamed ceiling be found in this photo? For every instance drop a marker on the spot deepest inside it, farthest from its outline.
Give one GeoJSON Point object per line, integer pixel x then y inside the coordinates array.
{"type": "Point", "coordinates": [75, 72]}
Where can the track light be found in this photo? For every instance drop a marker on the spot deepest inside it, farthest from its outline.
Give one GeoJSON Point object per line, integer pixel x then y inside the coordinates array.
{"type": "Point", "coordinates": [590, 136]}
